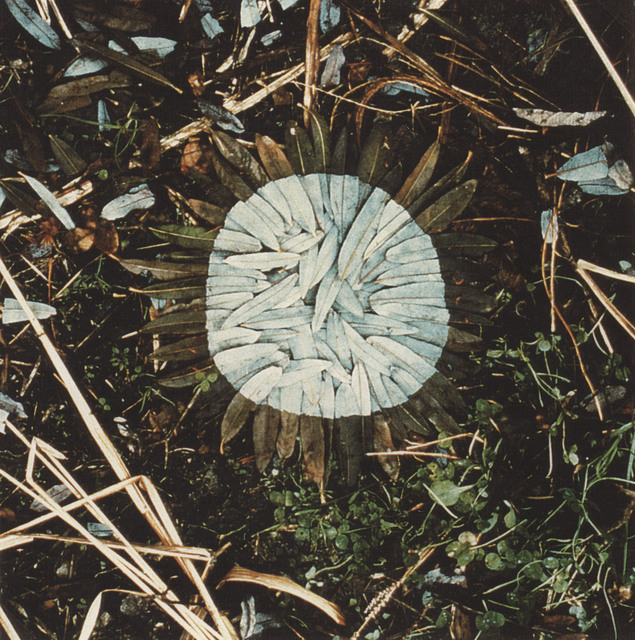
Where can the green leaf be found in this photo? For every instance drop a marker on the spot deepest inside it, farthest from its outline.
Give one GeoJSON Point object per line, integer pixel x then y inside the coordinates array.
{"type": "Point", "coordinates": [188, 237]}
{"type": "Point", "coordinates": [299, 149]}
{"type": "Point", "coordinates": [446, 492]}
{"type": "Point", "coordinates": [321, 142]}
{"type": "Point", "coordinates": [447, 208]}
{"type": "Point", "coordinates": [376, 156]}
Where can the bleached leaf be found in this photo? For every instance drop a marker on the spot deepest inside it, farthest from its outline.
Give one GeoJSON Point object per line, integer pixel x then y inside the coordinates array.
{"type": "Point", "coordinates": [269, 38]}
{"type": "Point", "coordinates": [211, 26]}
{"type": "Point", "coordinates": [544, 118]}
{"type": "Point", "coordinates": [265, 261]}
{"type": "Point", "coordinates": [83, 66]}
{"type": "Point", "coordinates": [298, 371]}
{"type": "Point", "coordinates": [621, 174]}
{"type": "Point", "coordinates": [11, 406]}
{"type": "Point", "coordinates": [12, 311]}
{"type": "Point", "coordinates": [326, 294]}
{"type": "Point", "coordinates": [331, 75]}
{"type": "Point", "coordinates": [222, 117]}
{"type": "Point", "coordinates": [586, 166]}
{"type": "Point", "coordinates": [257, 388]}
{"type": "Point", "coordinates": [329, 15]}
{"type": "Point", "coordinates": [31, 22]}
{"type": "Point", "coordinates": [249, 13]}
{"type": "Point", "coordinates": [235, 241]}
{"type": "Point", "coordinates": [57, 493]}
{"type": "Point", "coordinates": [159, 46]}
{"type": "Point", "coordinates": [50, 201]}
{"type": "Point", "coordinates": [236, 357]}
{"type": "Point", "coordinates": [280, 318]}
{"type": "Point", "coordinates": [253, 222]}
{"type": "Point", "coordinates": [137, 198]}
{"type": "Point", "coordinates": [548, 225]}
{"type": "Point", "coordinates": [361, 389]}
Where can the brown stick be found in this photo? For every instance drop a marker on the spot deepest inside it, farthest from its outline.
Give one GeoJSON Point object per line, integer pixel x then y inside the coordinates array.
{"type": "Point", "coordinates": [312, 59]}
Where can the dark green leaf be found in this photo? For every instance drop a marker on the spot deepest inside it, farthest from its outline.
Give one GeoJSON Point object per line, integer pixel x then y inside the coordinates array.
{"type": "Point", "coordinates": [321, 135]}
{"type": "Point", "coordinates": [185, 322]}
{"type": "Point", "coordinates": [70, 161]}
{"type": "Point", "coordinates": [235, 417]}
{"type": "Point", "coordinates": [376, 156]}
{"type": "Point", "coordinates": [240, 159]}
{"type": "Point", "coordinates": [418, 180]}
{"type": "Point", "coordinates": [193, 348]}
{"type": "Point", "coordinates": [299, 149]}
{"type": "Point", "coordinates": [447, 208]}
{"type": "Point", "coordinates": [188, 237]}
{"type": "Point", "coordinates": [190, 375]}
{"type": "Point", "coordinates": [182, 289]}
{"type": "Point", "coordinates": [163, 270]}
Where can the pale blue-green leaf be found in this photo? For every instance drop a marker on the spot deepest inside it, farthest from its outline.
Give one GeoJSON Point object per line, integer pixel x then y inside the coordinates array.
{"type": "Point", "coordinates": [394, 88]}
{"type": "Point", "coordinates": [272, 194]}
{"type": "Point", "coordinates": [337, 340]}
{"type": "Point", "coordinates": [211, 26]}
{"type": "Point", "coordinates": [329, 15]}
{"type": "Point", "coordinates": [280, 318]}
{"type": "Point", "coordinates": [410, 249]}
{"type": "Point", "coordinates": [408, 272]}
{"type": "Point", "coordinates": [227, 284]}
{"type": "Point", "coordinates": [326, 294]}
{"type": "Point", "coordinates": [308, 269]}
{"type": "Point", "coordinates": [314, 191]}
{"type": "Point", "coordinates": [405, 380]}
{"type": "Point", "coordinates": [544, 118]}
{"type": "Point", "coordinates": [587, 166]}
{"type": "Point", "coordinates": [83, 66]}
{"type": "Point", "coordinates": [331, 75]}
{"type": "Point", "coordinates": [214, 318]}
{"type": "Point", "coordinates": [11, 406]}
{"type": "Point", "coordinates": [346, 402]}
{"type": "Point", "coordinates": [371, 324]}
{"type": "Point", "coordinates": [395, 395]}
{"type": "Point", "coordinates": [393, 218]}
{"type": "Point", "coordinates": [12, 311]}
{"type": "Point", "coordinates": [337, 370]}
{"type": "Point", "coordinates": [235, 357]}
{"type": "Point", "coordinates": [298, 371]}
{"type": "Point", "coordinates": [262, 302]}
{"type": "Point", "coordinates": [621, 174]}
{"type": "Point", "coordinates": [137, 198]}
{"type": "Point", "coordinates": [299, 202]}
{"type": "Point", "coordinates": [365, 351]}
{"type": "Point", "coordinates": [269, 38]}
{"type": "Point", "coordinates": [222, 117]}
{"type": "Point", "coordinates": [301, 242]}
{"type": "Point", "coordinates": [603, 187]}
{"type": "Point", "coordinates": [346, 299]}
{"type": "Point", "coordinates": [249, 13]}
{"type": "Point", "coordinates": [287, 4]}
{"type": "Point", "coordinates": [336, 201]}
{"type": "Point", "coordinates": [102, 115]}
{"type": "Point", "coordinates": [327, 398]}
{"type": "Point", "coordinates": [360, 234]}
{"type": "Point", "coordinates": [218, 267]}
{"type": "Point", "coordinates": [237, 377]}
{"type": "Point", "coordinates": [50, 201]}
{"type": "Point", "coordinates": [255, 224]}
{"type": "Point", "coordinates": [235, 241]}
{"type": "Point", "coordinates": [402, 356]}
{"type": "Point", "coordinates": [351, 201]}
{"type": "Point", "coordinates": [411, 312]}
{"type": "Point", "coordinates": [31, 22]}
{"type": "Point", "coordinates": [427, 350]}
{"type": "Point", "coordinates": [302, 345]}
{"type": "Point", "coordinates": [268, 213]}
{"type": "Point", "coordinates": [228, 300]}
{"type": "Point", "coordinates": [326, 255]}
{"type": "Point", "coordinates": [159, 46]}
{"type": "Point", "coordinates": [361, 389]}
{"type": "Point", "coordinates": [377, 390]}
{"type": "Point", "coordinates": [218, 341]}
{"type": "Point", "coordinates": [265, 261]}
{"type": "Point", "coordinates": [419, 293]}
{"type": "Point", "coordinates": [257, 388]}
{"type": "Point", "coordinates": [548, 225]}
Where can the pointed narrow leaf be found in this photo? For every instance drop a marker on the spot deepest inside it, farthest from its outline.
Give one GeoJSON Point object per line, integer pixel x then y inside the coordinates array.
{"type": "Point", "coordinates": [321, 141]}
{"type": "Point", "coordinates": [31, 22]}
{"type": "Point", "coordinates": [70, 161]}
{"type": "Point", "coordinates": [265, 432]}
{"type": "Point", "coordinates": [447, 208]}
{"type": "Point", "coordinates": [249, 14]}
{"type": "Point", "coordinates": [164, 270]}
{"type": "Point", "coordinates": [235, 417]}
{"type": "Point", "coordinates": [189, 376]}
{"type": "Point", "coordinates": [586, 166]}
{"type": "Point", "coordinates": [187, 288]}
{"type": "Point", "coordinates": [418, 180]}
{"type": "Point", "coordinates": [299, 149]}
{"type": "Point", "coordinates": [188, 349]}
{"type": "Point", "coordinates": [312, 440]}
{"type": "Point", "coordinates": [240, 158]}
{"type": "Point", "coordinates": [50, 201]}
{"type": "Point", "coordinates": [382, 443]}
{"type": "Point", "coordinates": [258, 387]}
{"type": "Point", "coordinates": [273, 158]}
{"type": "Point", "coordinates": [376, 156]}
{"type": "Point", "coordinates": [188, 237]}
{"type": "Point", "coordinates": [185, 322]}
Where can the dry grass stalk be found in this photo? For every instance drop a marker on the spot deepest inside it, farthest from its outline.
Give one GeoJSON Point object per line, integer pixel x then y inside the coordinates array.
{"type": "Point", "coordinates": [130, 563]}
{"type": "Point", "coordinates": [5, 624]}
{"type": "Point", "coordinates": [234, 105]}
{"type": "Point", "coordinates": [595, 43]}
{"type": "Point", "coordinates": [583, 267]}
{"type": "Point", "coordinates": [381, 600]}
{"type": "Point", "coordinates": [312, 59]}
{"type": "Point", "coordinates": [154, 511]}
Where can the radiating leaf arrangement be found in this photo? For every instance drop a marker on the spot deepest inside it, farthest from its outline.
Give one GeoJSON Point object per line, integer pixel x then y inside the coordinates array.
{"type": "Point", "coordinates": [334, 309]}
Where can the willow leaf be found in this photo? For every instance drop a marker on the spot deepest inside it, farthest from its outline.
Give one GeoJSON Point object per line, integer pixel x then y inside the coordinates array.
{"type": "Point", "coordinates": [376, 156]}
{"type": "Point", "coordinates": [70, 161]}
{"type": "Point", "coordinates": [50, 201]}
{"type": "Point", "coordinates": [265, 433]}
{"type": "Point", "coordinates": [313, 449]}
{"type": "Point", "coordinates": [188, 237]}
{"type": "Point", "coordinates": [192, 348]}
{"type": "Point", "coordinates": [240, 159]}
{"type": "Point", "coordinates": [189, 375]}
{"type": "Point", "coordinates": [321, 141]}
{"type": "Point", "coordinates": [235, 417]}
{"type": "Point", "coordinates": [273, 158]}
{"type": "Point", "coordinates": [185, 322]}
{"type": "Point", "coordinates": [299, 149]}
{"type": "Point", "coordinates": [164, 270]}
{"type": "Point", "coordinates": [418, 180]}
{"type": "Point", "coordinates": [447, 208]}
{"type": "Point", "coordinates": [31, 22]}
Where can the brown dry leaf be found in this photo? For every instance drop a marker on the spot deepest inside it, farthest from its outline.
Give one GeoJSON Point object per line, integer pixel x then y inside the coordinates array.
{"type": "Point", "coordinates": [209, 212]}
{"type": "Point", "coordinates": [235, 417]}
{"type": "Point", "coordinates": [265, 431]}
{"type": "Point", "coordinates": [7, 514]}
{"type": "Point", "coordinates": [78, 240]}
{"type": "Point", "coordinates": [382, 441]}
{"type": "Point", "coordinates": [460, 627]}
{"type": "Point", "coordinates": [196, 156]}
{"type": "Point", "coordinates": [32, 147]}
{"type": "Point", "coordinates": [286, 585]}
{"type": "Point", "coordinates": [150, 147]}
{"type": "Point", "coordinates": [289, 426]}
{"type": "Point", "coordinates": [113, 15]}
{"type": "Point", "coordinates": [281, 97]}
{"type": "Point", "coordinates": [71, 95]}
{"type": "Point", "coordinates": [312, 439]}
{"type": "Point", "coordinates": [106, 237]}
{"type": "Point", "coordinates": [557, 621]}
{"type": "Point", "coordinates": [273, 158]}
